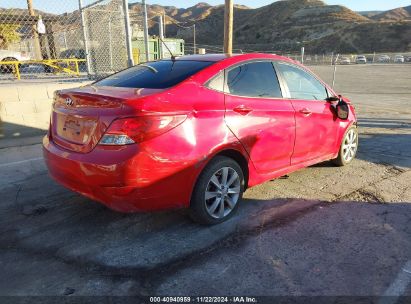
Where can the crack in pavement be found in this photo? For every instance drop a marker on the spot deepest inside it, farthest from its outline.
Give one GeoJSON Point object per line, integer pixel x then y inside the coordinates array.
{"type": "Point", "coordinates": [393, 171]}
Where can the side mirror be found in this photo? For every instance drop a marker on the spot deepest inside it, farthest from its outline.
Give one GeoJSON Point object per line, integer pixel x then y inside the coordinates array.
{"type": "Point", "coordinates": [343, 110]}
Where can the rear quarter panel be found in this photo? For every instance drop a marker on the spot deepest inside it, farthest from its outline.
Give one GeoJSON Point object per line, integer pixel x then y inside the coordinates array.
{"type": "Point", "coordinates": [171, 163]}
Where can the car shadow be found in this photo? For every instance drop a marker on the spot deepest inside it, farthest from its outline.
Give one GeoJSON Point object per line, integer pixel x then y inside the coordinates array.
{"type": "Point", "coordinates": [151, 247]}
{"type": "Point", "coordinates": [12, 134]}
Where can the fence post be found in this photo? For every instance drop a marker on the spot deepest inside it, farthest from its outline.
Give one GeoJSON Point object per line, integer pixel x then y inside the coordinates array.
{"type": "Point", "coordinates": [335, 68]}
{"type": "Point", "coordinates": [146, 42]}
{"type": "Point", "coordinates": [110, 43]}
{"type": "Point", "coordinates": [302, 55]}
{"type": "Point", "coordinates": [83, 27]}
{"type": "Point", "coordinates": [128, 34]}
{"type": "Point", "coordinates": [194, 39]}
{"type": "Point", "coordinates": [161, 35]}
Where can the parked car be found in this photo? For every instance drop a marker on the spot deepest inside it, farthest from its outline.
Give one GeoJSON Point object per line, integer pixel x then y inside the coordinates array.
{"type": "Point", "coordinates": [73, 53]}
{"type": "Point", "coordinates": [408, 59]}
{"type": "Point", "coordinates": [345, 60]}
{"type": "Point", "coordinates": [195, 132]}
{"type": "Point", "coordinates": [7, 55]}
{"type": "Point", "coordinates": [361, 59]}
{"type": "Point", "coordinates": [384, 59]}
{"type": "Point", "coordinates": [78, 54]}
{"type": "Point", "coordinates": [399, 59]}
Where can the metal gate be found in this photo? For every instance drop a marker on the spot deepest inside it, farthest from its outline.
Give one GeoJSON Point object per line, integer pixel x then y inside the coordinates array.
{"type": "Point", "coordinates": [105, 36]}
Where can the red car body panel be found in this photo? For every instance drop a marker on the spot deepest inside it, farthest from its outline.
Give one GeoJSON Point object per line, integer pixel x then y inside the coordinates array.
{"type": "Point", "coordinates": [273, 139]}
{"type": "Point", "coordinates": [270, 121]}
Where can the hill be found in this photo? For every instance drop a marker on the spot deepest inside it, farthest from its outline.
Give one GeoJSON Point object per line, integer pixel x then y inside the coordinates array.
{"type": "Point", "coordinates": [199, 11]}
{"type": "Point", "coordinates": [398, 14]}
{"type": "Point", "coordinates": [369, 14]}
{"type": "Point", "coordinates": [286, 25]}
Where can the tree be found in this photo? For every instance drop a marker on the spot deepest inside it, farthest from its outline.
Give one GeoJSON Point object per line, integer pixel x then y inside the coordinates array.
{"type": "Point", "coordinates": [8, 34]}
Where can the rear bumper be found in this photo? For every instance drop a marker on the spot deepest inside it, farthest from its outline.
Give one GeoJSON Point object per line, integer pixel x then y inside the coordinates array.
{"type": "Point", "coordinates": [125, 179]}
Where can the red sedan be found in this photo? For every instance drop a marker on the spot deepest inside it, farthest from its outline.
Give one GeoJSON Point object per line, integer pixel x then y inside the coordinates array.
{"type": "Point", "coordinates": [195, 132]}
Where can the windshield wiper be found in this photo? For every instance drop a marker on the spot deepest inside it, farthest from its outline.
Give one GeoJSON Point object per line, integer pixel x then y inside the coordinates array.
{"type": "Point", "coordinates": [154, 70]}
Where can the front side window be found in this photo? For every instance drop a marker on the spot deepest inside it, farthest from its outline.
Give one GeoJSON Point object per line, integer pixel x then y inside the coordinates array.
{"type": "Point", "coordinates": [301, 84]}
{"type": "Point", "coordinates": [155, 75]}
{"type": "Point", "coordinates": [256, 79]}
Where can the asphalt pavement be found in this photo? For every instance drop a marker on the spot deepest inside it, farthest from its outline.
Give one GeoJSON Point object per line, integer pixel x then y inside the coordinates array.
{"type": "Point", "coordinates": [323, 231]}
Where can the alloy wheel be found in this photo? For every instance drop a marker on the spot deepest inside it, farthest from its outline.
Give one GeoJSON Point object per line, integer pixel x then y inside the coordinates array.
{"type": "Point", "coordinates": [222, 192]}
{"type": "Point", "coordinates": [350, 145]}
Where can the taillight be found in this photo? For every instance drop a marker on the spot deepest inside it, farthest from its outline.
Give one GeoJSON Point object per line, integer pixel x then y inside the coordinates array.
{"type": "Point", "coordinates": [132, 130]}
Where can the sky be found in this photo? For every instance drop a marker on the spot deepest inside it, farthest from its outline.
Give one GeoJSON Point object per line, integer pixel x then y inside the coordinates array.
{"type": "Point", "coordinates": [61, 6]}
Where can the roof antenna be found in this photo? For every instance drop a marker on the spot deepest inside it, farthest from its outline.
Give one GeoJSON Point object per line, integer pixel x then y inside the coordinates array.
{"type": "Point", "coordinates": [172, 55]}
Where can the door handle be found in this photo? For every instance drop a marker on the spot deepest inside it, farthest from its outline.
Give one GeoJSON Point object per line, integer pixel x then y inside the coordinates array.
{"type": "Point", "coordinates": [243, 110]}
{"type": "Point", "coordinates": [306, 112]}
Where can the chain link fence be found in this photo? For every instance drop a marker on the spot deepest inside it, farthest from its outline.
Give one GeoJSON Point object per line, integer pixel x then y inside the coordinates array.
{"type": "Point", "coordinates": [67, 38]}
{"type": "Point", "coordinates": [329, 58]}
{"type": "Point", "coordinates": [351, 59]}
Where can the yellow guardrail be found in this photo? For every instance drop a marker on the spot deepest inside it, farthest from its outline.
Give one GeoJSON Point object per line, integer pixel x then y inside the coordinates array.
{"type": "Point", "coordinates": [72, 65]}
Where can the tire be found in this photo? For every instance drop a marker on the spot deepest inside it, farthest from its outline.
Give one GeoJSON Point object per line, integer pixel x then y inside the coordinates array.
{"type": "Point", "coordinates": [223, 200]}
{"type": "Point", "coordinates": [349, 147]}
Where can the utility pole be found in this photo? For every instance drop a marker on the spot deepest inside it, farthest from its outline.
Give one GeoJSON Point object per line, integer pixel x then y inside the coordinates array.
{"type": "Point", "coordinates": [161, 35]}
{"type": "Point", "coordinates": [164, 24]}
{"type": "Point", "coordinates": [194, 39]}
{"type": "Point", "coordinates": [146, 31]}
{"type": "Point", "coordinates": [37, 48]}
{"type": "Point", "coordinates": [128, 34]}
{"type": "Point", "coordinates": [228, 26]}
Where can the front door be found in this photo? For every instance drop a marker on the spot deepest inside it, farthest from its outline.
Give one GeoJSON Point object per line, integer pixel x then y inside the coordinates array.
{"type": "Point", "coordinates": [316, 123]}
{"type": "Point", "coordinates": [258, 115]}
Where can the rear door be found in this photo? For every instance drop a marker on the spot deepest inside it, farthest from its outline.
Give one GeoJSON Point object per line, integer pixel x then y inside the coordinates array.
{"type": "Point", "coordinates": [316, 124]}
{"type": "Point", "coordinates": [259, 116]}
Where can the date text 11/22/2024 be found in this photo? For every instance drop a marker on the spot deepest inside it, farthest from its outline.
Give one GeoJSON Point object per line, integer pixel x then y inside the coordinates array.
{"type": "Point", "coordinates": [234, 299]}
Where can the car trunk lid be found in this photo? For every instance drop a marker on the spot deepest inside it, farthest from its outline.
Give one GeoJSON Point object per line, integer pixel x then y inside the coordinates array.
{"type": "Point", "coordinates": [81, 116]}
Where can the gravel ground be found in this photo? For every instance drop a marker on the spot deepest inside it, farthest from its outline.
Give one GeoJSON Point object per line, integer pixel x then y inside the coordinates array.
{"type": "Point", "coordinates": [322, 231]}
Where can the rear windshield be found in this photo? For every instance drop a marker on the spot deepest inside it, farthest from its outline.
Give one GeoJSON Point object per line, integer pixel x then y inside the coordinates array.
{"type": "Point", "coordinates": [154, 75]}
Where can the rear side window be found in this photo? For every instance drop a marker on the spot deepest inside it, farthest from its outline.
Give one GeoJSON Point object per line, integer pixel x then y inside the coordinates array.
{"type": "Point", "coordinates": [155, 75]}
{"type": "Point", "coordinates": [217, 82]}
{"type": "Point", "coordinates": [255, 79]}
{"type": "Point", "coordinates": [301, 84]}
